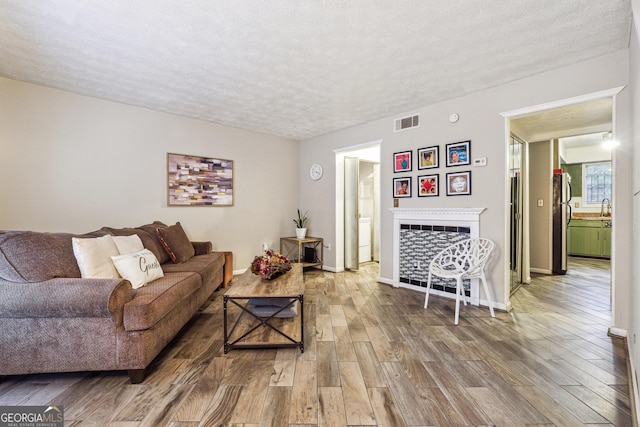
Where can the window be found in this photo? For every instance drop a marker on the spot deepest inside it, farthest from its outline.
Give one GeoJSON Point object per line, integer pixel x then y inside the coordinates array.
{"type": "Point", "coordinates": [596, 182]}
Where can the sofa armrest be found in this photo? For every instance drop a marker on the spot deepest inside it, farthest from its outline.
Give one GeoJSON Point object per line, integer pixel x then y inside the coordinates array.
{"type": "Point", "coordinates": [202, 248]}
{"type": "Point", "coordinates": [65, 297]}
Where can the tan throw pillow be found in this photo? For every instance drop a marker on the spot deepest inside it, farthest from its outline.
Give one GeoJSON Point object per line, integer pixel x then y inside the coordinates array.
{"type": "Point", "coordinates": [176, 243]}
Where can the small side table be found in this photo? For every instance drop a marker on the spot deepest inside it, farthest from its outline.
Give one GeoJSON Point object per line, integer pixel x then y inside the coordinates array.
{"type": "Point", "coordinates": [289, 246]}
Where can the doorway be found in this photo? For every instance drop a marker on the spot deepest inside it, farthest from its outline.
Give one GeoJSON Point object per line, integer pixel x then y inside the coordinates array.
{"type": "Point", "coordinates": [541, 131]}
{"type": "Point", "coordinates": [516, 171]}
{"type": "Point", "coordinates": [358, 205]}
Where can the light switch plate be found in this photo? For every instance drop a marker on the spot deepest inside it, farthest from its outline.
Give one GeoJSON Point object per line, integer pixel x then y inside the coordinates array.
{"type": "Point", "coordinates": [481, 161]}
{"type": "Point", "coordinates": [540, 203]}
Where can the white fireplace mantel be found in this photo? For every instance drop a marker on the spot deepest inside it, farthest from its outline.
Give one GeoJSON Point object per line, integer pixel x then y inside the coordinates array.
{"type": "Point", "coordinates": [437, 214]}
{"type": "Point", "coordinates": [459, 217]}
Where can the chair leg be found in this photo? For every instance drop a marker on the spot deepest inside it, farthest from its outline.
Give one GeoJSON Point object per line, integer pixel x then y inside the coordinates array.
{"type": "Point", "coordinates": [462, 295]}
{"type": "Point", "coordinates": [486, 291]}
{"type": "Point", "coordinates": [458, 287]}
{"type": "Point", "coordinates": [426, 297]}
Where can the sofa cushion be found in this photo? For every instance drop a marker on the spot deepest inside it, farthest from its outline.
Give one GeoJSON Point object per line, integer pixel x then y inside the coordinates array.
{"type": "Point", "coordinates": [30, 256]}
{"type": "Point", "coordinates": [176, 243]}
{"type": "Point", "coordinates": [94, 257]}
{"type": "Point", "coordinates": [147, 234]}
{"type": "Point", "coordinates": [153, 301]}
{"type": "Point", "coordinates": [205, 265]}
{"type": "Point", "coordinates": [138, 268]}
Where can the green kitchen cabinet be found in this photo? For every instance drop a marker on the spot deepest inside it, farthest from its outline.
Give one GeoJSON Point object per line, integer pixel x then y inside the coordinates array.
{"type": "Point", "coordinates": [606, 240]}
{"type": "Point", "coordinates": [590, 238]}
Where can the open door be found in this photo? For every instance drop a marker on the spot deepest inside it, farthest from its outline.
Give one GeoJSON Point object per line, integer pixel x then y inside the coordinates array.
{"type": "Point", "coordinates": [351, 220]}
{"type": "Point", "coordinates": [516, 168]}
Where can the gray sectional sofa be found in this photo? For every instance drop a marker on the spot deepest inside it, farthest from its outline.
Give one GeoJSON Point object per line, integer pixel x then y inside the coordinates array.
{"type": "Point", "coordinates": [53, 320]}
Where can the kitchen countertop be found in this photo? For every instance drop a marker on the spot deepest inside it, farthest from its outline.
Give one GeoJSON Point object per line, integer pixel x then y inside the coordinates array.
{"type": "Point", "coordinates": [593, 218]}
{"type": "Point", "coordinates": [590, 217]}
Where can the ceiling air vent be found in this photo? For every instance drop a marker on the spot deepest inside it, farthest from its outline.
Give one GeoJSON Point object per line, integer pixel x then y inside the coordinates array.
{"type": "Point", "coordinates": [407, 123]}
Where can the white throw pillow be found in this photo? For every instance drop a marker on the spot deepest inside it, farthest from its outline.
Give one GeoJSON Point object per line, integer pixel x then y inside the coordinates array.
{"type": "Point", "coordinates": [128, 244]}
{"type": "Point", "coordinates": [94, 257]}
{"type": "Point", "coordinates": [139, 268]}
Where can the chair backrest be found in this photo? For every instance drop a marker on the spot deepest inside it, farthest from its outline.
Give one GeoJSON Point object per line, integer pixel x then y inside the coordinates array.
{"type": "Point", "coordinates": [468, 256]}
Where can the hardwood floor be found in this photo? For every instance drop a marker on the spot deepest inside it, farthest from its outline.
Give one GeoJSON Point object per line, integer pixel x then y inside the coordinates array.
{"type": "Point", "coordinates": [374, 356]}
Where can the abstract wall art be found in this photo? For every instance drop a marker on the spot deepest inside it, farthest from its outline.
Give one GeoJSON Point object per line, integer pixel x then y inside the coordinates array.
{"type": "Point", "coordinates": [199, 181]}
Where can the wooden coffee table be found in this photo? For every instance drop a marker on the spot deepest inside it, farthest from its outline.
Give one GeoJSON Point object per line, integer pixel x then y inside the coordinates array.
{"type": "Point", "coordinates": [264, 313]}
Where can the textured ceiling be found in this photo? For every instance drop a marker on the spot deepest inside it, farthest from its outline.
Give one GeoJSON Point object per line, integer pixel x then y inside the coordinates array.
{"type": "Point", "coordinates": [298, 68]}
{"type": "Point", "coordinates": [573, 120]}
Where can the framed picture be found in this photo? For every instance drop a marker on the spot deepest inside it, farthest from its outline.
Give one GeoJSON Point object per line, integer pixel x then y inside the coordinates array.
{"type": "Point", "coordinates": [459, 153]}
{"type": "Point", "coordinates": [199, 181]}
{"type": "Point", "coordinates": [428, 185]}
{"type": "Point", "coordinates": [402, 161]}
{"type": "Point", "coordinates": [428, 157]}
{"type": "Point", "coordinates": [402, 187]}
{"type": "Point", "coordinates": [459, 183]}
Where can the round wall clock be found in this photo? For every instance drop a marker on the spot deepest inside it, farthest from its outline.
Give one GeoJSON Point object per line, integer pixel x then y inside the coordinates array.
{"type": "Point", "coordinates": [315, 171]}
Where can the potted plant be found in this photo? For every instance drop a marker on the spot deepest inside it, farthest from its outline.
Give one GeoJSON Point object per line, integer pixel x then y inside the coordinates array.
{"type": "Point", "coordinates": [301, 221]}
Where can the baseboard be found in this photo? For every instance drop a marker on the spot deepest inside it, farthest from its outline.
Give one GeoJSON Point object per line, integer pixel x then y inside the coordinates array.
{"type": "Point", "coordinates": [540, 271]}
{"type": "Point", "coordinates": [633, 387]}
{"type": "Point", "coordinates": [617, 332]}
{"type": "Point", "coordinates": [632, 378]}
{"type": "Point", "coordinates": [385, 280]}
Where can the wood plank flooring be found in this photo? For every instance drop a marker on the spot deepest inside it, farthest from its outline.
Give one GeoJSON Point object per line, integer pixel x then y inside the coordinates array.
{"type": "Point", "coordinates": [374, 357]}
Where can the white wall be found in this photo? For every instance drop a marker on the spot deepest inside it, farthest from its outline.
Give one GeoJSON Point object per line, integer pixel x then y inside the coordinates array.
{"type": "Point", "coordinates": [588, 154]}
{"type": "Point", "coordinates": [74, 163]}
{"type": "Point", "coordinates": [482, 123]}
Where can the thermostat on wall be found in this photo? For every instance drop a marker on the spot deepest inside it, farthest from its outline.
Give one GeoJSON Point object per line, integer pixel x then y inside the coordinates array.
{"type": "Point", "coordinates": [482, 161]}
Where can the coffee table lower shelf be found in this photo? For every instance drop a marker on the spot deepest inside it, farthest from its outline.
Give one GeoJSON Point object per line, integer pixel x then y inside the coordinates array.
{"type": "Point", "coordinates": [278, 323]}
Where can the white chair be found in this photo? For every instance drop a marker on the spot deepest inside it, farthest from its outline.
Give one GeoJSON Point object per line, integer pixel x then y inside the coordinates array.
{"type": "Point", "coordinates": [460, 261]}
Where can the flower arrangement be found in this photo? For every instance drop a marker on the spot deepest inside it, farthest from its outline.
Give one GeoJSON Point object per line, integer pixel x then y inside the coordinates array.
{"type": "Point", "coordinates": [270, 264]}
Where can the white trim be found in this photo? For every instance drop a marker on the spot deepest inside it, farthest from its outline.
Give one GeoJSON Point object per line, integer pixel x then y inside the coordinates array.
{"type": "Point", "coordinates": [449, 215]}
{"type": "Point", "coordinates": [633, 379]}
{"type": "Point", "coordinates": [376, 143]}
{"type": "Point", "coordinates": [539, 270]}
{"type": "Point", "coordinates": [385, 280]}
{"type": "Point", "coordinates": [339, 154]}
{"type": "Point", "coordinates": [563, 102]}
{"type": "Point", "coordinates": [618, 332]}
{"type": "Point", "coordinates": [613, 93]}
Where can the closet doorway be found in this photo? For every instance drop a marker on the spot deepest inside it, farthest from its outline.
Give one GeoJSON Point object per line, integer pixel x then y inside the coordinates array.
{"type": "Point", "coordinates": [359, 212]}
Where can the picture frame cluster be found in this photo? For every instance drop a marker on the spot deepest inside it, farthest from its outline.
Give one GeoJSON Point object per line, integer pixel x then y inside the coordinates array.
{"type": "Point", "coordinates": [457, 183]}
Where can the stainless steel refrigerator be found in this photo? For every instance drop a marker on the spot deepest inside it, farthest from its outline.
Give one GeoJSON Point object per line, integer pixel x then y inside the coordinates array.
{"type": "Point", "coordinates": [561, 219]}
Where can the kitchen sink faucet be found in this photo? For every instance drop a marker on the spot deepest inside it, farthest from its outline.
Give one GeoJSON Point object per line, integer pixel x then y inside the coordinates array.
{"type": "Point", "coordinates": [602, 211]}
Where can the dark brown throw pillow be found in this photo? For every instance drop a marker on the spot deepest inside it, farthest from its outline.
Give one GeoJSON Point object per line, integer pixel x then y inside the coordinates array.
{"type": "Point", "coordinates": [176, 243]}
{"type": "Point", "coordinates": [148, 235]}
